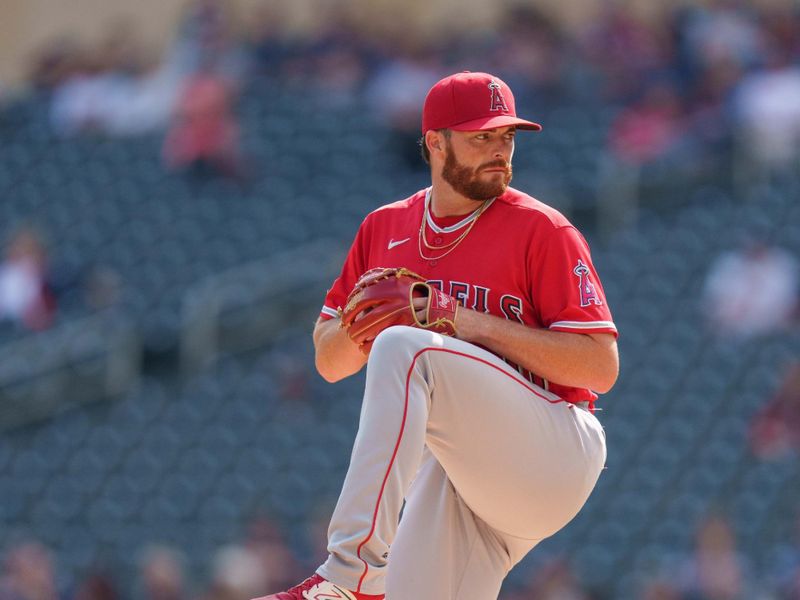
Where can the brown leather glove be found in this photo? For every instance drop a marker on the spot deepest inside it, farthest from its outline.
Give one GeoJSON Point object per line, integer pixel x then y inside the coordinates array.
{"type": "Point", "coordinates": [383, 297]}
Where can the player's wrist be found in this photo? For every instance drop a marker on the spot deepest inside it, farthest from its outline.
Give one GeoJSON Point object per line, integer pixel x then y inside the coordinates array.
{"type": "Point", "coordinates": [467, 324]}
{"type": "Point", "coordinates": [335, 355]}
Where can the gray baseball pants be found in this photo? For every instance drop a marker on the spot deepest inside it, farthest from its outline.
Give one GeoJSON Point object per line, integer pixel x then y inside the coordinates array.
{"type": "Point", "coordinates": [489, 465]}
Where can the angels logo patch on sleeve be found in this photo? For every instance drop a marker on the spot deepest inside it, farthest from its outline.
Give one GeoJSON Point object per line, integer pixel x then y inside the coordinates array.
{"type": "Point", "coordinates": [588, 292]}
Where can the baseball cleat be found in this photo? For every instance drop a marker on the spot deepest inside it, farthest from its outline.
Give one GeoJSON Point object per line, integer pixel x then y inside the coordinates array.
{"type": "Point", "coordinates": [317, 588]}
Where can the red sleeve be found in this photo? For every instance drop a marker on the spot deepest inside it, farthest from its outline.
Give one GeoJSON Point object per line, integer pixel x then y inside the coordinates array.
{"type": "Point", "coordinates": [354, 266]}
{"type": "Point", "coordinates": [566, 289]}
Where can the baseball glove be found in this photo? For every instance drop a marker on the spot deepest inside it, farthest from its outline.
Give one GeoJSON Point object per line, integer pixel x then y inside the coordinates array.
{"type": "Point", "coordinates": [383, 297]}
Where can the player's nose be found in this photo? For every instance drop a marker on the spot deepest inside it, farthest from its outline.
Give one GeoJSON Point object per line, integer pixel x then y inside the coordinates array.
{"type": "Point", "coordinates": [503, 148]}
{"type": "Point", "coordinates": [503, 152]}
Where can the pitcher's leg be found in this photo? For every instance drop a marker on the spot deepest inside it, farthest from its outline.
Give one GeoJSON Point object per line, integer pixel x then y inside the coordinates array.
{"type": "Point", "coordinates": [443, 551]}
{"type": "Point", "coordinates": [521, 459]}
{"type": "Point", "coordinates": [386, 455]}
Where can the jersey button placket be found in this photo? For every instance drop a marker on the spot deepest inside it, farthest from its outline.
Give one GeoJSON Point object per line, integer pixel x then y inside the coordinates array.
{"type": "Point", "coordinates": [433, 263]}
{"type": "Point", "coordinates": [437, 240]}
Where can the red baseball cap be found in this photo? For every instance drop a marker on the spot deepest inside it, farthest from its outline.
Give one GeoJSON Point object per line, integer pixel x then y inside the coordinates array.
{"type": "Point", "coordinates": [471, 102]}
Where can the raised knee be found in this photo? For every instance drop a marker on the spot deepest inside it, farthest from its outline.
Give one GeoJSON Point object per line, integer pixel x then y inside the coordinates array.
{"type": "Point", "coordinates": [401, 336]}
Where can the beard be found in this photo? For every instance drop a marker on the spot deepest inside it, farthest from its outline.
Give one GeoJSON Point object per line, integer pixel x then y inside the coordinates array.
{"type": "Point", "coordinates": [466, 181]}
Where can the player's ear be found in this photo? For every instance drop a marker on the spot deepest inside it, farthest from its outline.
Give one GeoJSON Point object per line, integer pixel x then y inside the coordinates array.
{"type": "Point", "coordinates": [435, 140]}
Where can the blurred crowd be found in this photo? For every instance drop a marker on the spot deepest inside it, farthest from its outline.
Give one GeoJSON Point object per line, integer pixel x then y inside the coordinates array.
{"type": "Point", "coordinates": [716, 568]}
{"type": "Point", "coordinates": [239, 571]}
{"type": "Point", "coordinates": [752, 291]}
{"type": "Point", "coordinates": [698, 82]}
{"type": "Point", "coordinates": [32, 288]}
{"type": "Point", "coordinates": [695, 81]}
{"type": "Point", "coordinates": [702, 83]}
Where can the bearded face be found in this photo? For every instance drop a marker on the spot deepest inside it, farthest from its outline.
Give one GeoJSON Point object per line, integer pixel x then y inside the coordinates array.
{"type": "Point", "coordinates": [476, 183]}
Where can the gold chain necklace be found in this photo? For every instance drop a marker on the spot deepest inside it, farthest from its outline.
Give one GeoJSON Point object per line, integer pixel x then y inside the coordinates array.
{"type": "Point", "coordinates": [451, 245]}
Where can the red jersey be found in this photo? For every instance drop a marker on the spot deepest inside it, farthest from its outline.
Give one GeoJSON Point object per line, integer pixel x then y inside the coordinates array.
{"type": "Point", "coordinates": [522, 260]}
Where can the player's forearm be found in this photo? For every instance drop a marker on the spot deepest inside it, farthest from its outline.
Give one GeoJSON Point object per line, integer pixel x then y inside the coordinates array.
{"type": "Point", "coordinates": [572, 359]}
{"type": "Point", "coordinates": [336, 356]}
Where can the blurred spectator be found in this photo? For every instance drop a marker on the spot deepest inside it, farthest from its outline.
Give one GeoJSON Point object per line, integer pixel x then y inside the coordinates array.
{"type": "Point", "coordinates": [396, 93]}
{"type": "Point", "coordinates": [54, 64]}
{"type": "Point", "coordinates": [162, 574]}
{"type": "Point", "coordinates": [110, 89]}
{"type": "Point", "coordinates": [775, 430]}
{"type": "Point", "coordinates": [768, 106]}
{"type": "Point", "coordinates": [719, 31]}
{"type": "Point", "coordinates": [650, 129]}
{"type": "Point", "coordinates": [531, 55]}
{"type": "Point", "coordinates": [266, 37]}
{"type": "Point", "coordinates": [25, 296]}
{"type": "Point", "coordinates": [557, 582]}
{"type": "Point", "coordinates": [113, 90]}
{"type": "Point", "coordinates": [751, 291]}
{"type": "Point", "coordinates": [266, 543]}
{"type": "Point", "coordinates": [238, 574]}
{"type": "Point", "coordinates": [330, 67]}
{"type": "Point", "coordinates": [96, 586]}
{"type": "Point", "coordinates": [781, 25]}
{"type": "Point", "coordinates": [341, 75]}
{"type": "Point", "coordinates": [710, 109]}
{"type": "Point", "coordinates": [623, 50]}
{"type": "Point", "coordinates": [204, 136]}
{"type": "Point", "coordinates": [28, 574]}
{"type": "Point", "coordinates": [660, 589]}
{"type": "Point", "coordinates": [553, 581]}
{"type": "Point", "coordinates": [207, 42]}
{"type": "Point", "coordinates": [716, 570]}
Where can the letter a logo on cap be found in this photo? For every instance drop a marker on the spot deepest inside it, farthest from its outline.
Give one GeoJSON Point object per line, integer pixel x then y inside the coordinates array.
{"type": "Point", "coordinates": [498, 102]}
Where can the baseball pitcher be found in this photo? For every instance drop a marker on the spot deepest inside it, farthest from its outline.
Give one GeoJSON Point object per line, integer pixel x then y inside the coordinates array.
{"type": "Point", "coordinates": [487, 336]}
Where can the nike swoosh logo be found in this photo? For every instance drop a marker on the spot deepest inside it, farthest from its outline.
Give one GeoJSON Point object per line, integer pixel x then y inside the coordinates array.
{"type": "Point", "coordinates": [393, 243]}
